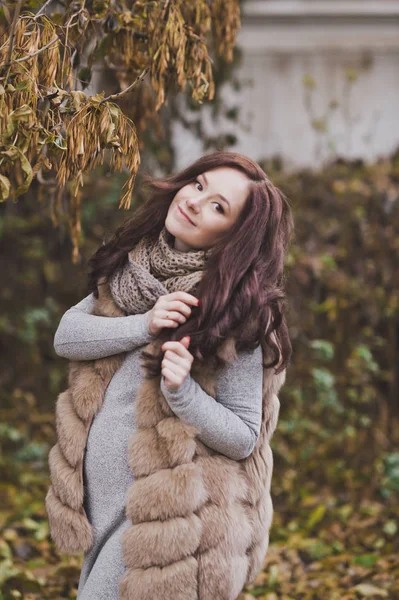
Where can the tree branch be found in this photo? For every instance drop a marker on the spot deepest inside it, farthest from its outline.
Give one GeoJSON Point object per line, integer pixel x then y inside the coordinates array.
{"type": "Point", "coordinates": [28, 56]}
{"type": "Point", "coordinates": [138, 79]}
{"type": "Point", "coordinates": [12, 33]}
{"type": "Point", "coordinates": [43, 8]}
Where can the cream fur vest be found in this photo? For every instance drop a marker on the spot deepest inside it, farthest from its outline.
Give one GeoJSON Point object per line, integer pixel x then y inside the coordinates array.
{"type": "Point", "coordinates": [200, 520]}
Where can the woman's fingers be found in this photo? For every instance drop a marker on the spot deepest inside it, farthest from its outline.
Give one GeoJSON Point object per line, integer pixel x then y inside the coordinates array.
{"type": "Point", "coordinates": [183, 296]}
{"type": "Point", "coordinates": [176, 368]}
{"type": "Point", "coordinates": [166, 323]}
{"type": "Point", "coordinates": [177, 348]}
{"type": "Point", "coordinates": [170, 310]}
{"type": "Point", "coordinates": [176, 362]}
{"type": "Point", "coordinates": [176, 358]}
{"type": "Point", "coordinates": [170, 375]}
{"type": "Point", "coordinates": [164, 313]}
{"type": "Point", "coordinates": [176, 305]}
{"type": "Point", "coordinates": [172, 381]}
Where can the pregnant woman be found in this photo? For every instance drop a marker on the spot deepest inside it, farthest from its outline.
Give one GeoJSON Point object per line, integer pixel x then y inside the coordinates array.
{"type": "Point", "coordinates": [162, 468]}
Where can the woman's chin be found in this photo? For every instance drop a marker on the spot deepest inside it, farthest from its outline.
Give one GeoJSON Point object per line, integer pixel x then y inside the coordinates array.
{"type": "Point", "coordinates": [174, 227]}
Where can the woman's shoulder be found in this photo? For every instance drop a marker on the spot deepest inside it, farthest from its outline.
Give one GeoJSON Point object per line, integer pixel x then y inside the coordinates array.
{"type": "Point", "coordinates": [86, 304]}
{"type": "Point", "coordinates": [248, 365]}
{"type": "Point", "coordinates": [247, 362]}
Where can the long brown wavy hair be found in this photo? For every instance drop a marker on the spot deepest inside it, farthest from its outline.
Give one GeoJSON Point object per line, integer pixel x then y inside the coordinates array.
{"type": "Point", "coordinates": [242, 288]}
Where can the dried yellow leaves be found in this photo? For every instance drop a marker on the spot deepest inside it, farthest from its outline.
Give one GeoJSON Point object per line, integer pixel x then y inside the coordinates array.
{"type": "Point", "coordinates": [47, 124]}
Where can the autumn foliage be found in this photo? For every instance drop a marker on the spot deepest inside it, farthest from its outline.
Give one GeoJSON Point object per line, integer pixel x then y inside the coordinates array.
{"type": "Point", "coordinates": [49, 125]}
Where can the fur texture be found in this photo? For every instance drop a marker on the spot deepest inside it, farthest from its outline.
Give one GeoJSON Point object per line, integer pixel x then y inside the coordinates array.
{"type": "Point", "coordinates": [200, 521]}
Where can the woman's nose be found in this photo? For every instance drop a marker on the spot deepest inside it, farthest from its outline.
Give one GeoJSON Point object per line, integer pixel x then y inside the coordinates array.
{"type": "Point", "coordinates": [193, 203]}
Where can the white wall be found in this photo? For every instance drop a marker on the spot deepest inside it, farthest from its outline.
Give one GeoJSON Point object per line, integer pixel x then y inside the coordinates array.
{"type": "Point", "coordinates": [320, 79]}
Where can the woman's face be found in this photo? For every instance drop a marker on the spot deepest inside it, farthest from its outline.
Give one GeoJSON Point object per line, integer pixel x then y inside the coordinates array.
{"type": "Point", "coordinates": [212, 204]}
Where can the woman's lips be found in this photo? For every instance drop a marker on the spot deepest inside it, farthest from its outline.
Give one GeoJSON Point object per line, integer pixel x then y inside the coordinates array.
{"type": "Point", "coordinates": [184, 216]}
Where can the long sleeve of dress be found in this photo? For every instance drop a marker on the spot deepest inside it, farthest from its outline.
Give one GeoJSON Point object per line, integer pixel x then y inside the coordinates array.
{"type": "Point", "coordinates": [83, 336]}
{"type": "Point", "coordinates": [231, 423]}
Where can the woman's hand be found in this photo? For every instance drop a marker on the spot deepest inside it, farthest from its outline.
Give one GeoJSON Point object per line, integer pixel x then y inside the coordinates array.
{"type": "Point", "coordinates": [170, 310]}
{"type": "Point", "coordinates": [176, 363]}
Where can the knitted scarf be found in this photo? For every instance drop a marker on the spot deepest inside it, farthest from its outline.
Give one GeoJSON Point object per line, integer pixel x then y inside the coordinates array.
{"type": "Point", "coordinates": [155, 268]}
{"type": "Point", "coordinates": [199, 520]}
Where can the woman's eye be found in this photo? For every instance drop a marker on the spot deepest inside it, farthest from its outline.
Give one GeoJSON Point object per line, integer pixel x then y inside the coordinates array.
{"type": "Point", "coordinates": [220, 209]}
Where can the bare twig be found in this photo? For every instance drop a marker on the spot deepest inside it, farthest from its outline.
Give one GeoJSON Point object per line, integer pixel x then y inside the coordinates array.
{"type": "Point", "coordinates": [28, 56]}
{"type": "Point", "coordinates": [67, 26]}
{"type": "Point", "coordinates": [43, 8]}
{"type": "Point", "coordinates": [12, 32]}
{"type": "Point", "coordinates": [56, 39]}
{"type": "Point", "coordinates": [64, 54]}
{"type": "Point", "coordinates": [56, 125]}
{"type": "Point", "coordinates": [164, 9]}
{"type": "Point", "coordinates": [138, 80]}
{"type": "Point", "coordinates": [76, 14]}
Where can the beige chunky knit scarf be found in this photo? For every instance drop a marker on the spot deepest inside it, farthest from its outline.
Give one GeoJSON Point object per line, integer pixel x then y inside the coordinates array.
{"type": "Point", "coordinates": [155, 268]}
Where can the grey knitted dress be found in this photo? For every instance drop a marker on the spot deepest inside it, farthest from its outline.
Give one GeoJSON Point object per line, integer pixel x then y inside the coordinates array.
{"type": "Point", "coordinates": [230, 425]}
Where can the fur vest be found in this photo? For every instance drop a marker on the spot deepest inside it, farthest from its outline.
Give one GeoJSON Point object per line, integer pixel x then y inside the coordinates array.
{"type": "Point", "coordinates": [200, 520]}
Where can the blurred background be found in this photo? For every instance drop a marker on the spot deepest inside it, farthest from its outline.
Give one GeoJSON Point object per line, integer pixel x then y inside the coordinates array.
{"type": "Point", "coordinates": [317, 79]}
{"type": "Point", "coordinates": [311, 93]}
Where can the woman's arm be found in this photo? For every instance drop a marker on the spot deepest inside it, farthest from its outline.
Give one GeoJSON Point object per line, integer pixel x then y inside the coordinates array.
{"type": "Point", "coordinates": [83, 336]}
{"type": "Point", "coordinates": [230, 424]}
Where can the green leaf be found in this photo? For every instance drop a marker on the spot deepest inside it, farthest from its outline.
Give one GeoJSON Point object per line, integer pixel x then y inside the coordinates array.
{"type": "Point", "coordinates": [7, 570]}
{"type": "Point", "coordinates": [364, 352]}
{"type": "Point", "coordinates": [324, 379]}
{"type": "Point", "coordinates": [317, 515]}
{"type": "Point", "coordinates": [366, 560]}
{"type": "Point", "coordinates": [5, 550]}
{"type": "Point", "coordinates": [324, 349]}
{"type": "Point", "coordinates": [319, 550]}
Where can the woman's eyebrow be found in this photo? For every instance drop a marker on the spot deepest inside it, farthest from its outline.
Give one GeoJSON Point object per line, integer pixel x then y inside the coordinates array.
{"type": "Point", "coordinates": [220, 195]}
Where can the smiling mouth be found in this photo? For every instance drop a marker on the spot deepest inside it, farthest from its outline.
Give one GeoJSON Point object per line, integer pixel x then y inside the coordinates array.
{"type": "Point", "coordinates": [185, 216]}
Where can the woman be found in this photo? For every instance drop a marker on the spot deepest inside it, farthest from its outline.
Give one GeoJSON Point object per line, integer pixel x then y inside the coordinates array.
{"type": "Point", "coordinates": [162, 468]}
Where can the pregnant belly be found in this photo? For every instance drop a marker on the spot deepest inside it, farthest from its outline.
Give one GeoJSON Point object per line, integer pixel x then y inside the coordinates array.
{"type": "Point", "coordinates": [107, 475]}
